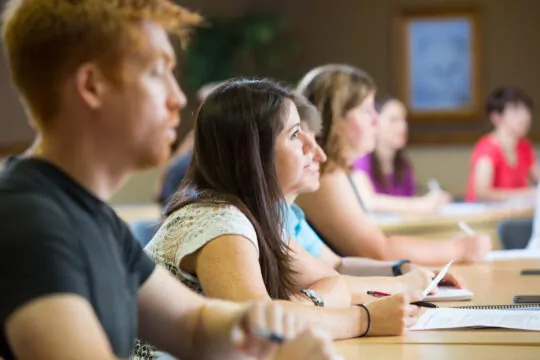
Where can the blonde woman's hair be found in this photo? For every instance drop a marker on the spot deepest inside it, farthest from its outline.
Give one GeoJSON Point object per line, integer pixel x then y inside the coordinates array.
{"type": "Point", "coordinates": [334, 90]}
{"type": "Point", "coordinates": [308, 113]}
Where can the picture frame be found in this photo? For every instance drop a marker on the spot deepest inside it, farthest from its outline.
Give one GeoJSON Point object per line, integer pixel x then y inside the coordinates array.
{"type": "Point", "coordinates": [437, 64]}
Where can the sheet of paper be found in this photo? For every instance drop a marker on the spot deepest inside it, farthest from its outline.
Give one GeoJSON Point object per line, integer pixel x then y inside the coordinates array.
{"type": "Point", "coordinates": [437, 279]}
{"type": "Point", "coordinates": [513, 254]}
{"type": "Point", "coordinates": [462, 209]}
{"type": "Point", "coordinates": [448, 293]}
{"type": "Point", "coordinates": [385, 219]}
{"type": "Point", "coordinates": [446, 318]}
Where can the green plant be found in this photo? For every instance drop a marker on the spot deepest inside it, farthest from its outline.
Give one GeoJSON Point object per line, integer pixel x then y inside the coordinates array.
{"type": "Point", "coordinates": [251, 45]}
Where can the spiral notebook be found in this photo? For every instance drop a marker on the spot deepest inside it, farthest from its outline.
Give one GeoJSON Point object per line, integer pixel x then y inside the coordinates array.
{"type": "Point", "coordinates": [497, 316]}
{"type": "Point", "coordinates": [500, 307]}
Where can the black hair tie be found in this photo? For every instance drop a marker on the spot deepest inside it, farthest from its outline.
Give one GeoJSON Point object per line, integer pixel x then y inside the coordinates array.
{"type": "Point", "coordinates": [368, 320]}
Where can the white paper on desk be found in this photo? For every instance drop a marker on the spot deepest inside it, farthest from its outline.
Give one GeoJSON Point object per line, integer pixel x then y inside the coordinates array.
{"type": "Point", "coordinates": [462, 209]}
{"type": "Point", "coordinates": [513, 254]}
{"type": "Point", "coordinates": [385, 219]}
{"type": "Point", "coordinates": [446, 318]}
{"type": "Point", "coordinates": [449, 293]}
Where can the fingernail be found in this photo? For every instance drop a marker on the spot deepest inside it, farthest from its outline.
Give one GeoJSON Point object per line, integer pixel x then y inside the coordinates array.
{"type": "Point", "coordinates": [237, 337]}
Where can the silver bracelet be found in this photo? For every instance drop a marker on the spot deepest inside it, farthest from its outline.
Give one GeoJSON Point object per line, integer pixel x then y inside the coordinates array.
{"type": "Point", "coordinates": [311, 295]}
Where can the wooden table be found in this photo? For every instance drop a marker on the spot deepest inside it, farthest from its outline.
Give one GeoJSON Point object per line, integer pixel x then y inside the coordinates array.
{"type": "Point", "coordinates": [432, 226]}
{"type": "Point", "coordinates": [492, 283]}
{"type": "Point", "coordinates": [444, 225]}
{"type": "Point", "coordinates": [350, 350]}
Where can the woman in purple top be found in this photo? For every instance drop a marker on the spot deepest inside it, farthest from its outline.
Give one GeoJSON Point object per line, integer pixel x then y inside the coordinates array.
{"type": "Point", "coordinates": [397, 183]}
{"type": "Point", "coordinates": [385, 178]}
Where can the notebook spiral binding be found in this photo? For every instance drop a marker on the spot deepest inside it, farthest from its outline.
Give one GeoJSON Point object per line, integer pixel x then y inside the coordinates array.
{"type": "Point", "coordinates": [499, 307]}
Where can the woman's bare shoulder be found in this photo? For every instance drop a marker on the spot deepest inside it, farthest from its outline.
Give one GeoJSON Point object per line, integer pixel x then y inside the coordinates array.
{"type": "Point", "coordinates": [334, 181]}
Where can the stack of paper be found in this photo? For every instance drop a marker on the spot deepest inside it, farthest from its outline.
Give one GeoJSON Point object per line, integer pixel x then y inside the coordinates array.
{"type": "Point", "coordinates": [463, 209]}
{"type": "Point", "coordinates": [448, 293]}
{"type": "Point", "coordinates": [448, 318]}
{"type": "Point", "coordinates": [513, 254]}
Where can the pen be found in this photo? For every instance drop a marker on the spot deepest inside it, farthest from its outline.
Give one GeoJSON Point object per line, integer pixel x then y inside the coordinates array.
{"type": "Point", "coordinates": [270, 336]}
{"type": "Point", "coordinates": [466, 228]}
{"type": "Point", "coordinates": [425, 304]}
{"type": "Point", "coordinates": [437, 279]}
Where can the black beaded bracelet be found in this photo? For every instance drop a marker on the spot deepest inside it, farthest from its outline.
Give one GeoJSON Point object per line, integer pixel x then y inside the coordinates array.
{"type": "Point", "coordinates": [368, 320]}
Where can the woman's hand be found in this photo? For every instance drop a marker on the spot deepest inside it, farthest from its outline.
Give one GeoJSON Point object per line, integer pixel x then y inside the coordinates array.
{"type": "Point", "coordinates": [291, 340]}
{"type": "Point", "coordinates": [309, 345]}
{"type": "Point", "coordinates": [260, 320]}
{"type": "Point", "coordinates": [392, 315]}
{"type": "Point", "coordinates": [434, 200]}
{"type": "Point", "coordinates": [416, 280]}
{"type": "Point", "coordinates": [473, 248]}
{"type": "Point", "coordinates": [448, 280]}
{"type": "Point", "coordinates": [452, 280]}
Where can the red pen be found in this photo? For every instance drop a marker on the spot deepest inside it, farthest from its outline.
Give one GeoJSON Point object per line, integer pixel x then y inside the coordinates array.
{"type": "Point", "coordinates": [426, 304]}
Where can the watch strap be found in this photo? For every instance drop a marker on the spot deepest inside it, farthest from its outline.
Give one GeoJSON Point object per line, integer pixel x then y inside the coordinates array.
{"type": "Point", "coordinates": [396, 268]}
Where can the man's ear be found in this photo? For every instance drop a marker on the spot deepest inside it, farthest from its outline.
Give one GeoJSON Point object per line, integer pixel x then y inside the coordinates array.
{"type": "Point", "coordinates": [90, 84]}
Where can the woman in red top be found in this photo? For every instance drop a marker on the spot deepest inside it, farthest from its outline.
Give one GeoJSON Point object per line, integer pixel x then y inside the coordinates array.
{"type": "Point", "coordinates": [503, 163]}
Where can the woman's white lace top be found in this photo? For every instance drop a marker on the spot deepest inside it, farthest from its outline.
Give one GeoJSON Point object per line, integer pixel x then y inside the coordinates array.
{"type": "Point", "coordinates": [192, 227]}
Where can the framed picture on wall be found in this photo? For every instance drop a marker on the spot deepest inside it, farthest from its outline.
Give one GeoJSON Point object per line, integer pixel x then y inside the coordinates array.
{"type": "Point", "coordinates": [438, 64]}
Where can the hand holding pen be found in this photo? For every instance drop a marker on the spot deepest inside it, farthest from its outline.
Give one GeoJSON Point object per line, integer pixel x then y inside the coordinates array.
{"type": "Point", "coordinates": [472, 247]}
{"type": "Point", "coordinates": [466, 228]}
{"type": "Point", "coordinates": [392, 315]}
{"type": "Point", "coordinates": [308, 345]}
{"type": "Point", "coordinates": [433, 284]}
{"type": "Point", "coordinates": [268, 331]}
{"type": "Point", "coordinates": [425, 304]}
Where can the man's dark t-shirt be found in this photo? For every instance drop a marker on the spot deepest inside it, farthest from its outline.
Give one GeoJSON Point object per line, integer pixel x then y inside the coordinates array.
{"type": "Point", "coordinates": [56, 237]}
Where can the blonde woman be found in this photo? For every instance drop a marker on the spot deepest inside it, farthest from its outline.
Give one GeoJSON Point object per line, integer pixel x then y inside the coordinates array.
{"type": "Point", "coordinates": [344, 96]}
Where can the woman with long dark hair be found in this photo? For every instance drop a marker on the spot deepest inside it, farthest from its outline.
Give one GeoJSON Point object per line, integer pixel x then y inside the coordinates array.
{"type": "Point", "coordinates": [223, 234]}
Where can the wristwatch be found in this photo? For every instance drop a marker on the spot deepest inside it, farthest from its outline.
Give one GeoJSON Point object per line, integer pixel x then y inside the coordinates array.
{"type": "Point", "coordinates": [396, 268]}
{"type": "Point", "coordinates": [311, 295]}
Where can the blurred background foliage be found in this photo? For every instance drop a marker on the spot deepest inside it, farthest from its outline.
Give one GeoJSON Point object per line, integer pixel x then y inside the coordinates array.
{"type": "Point", "coordinates": [251, 45]}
